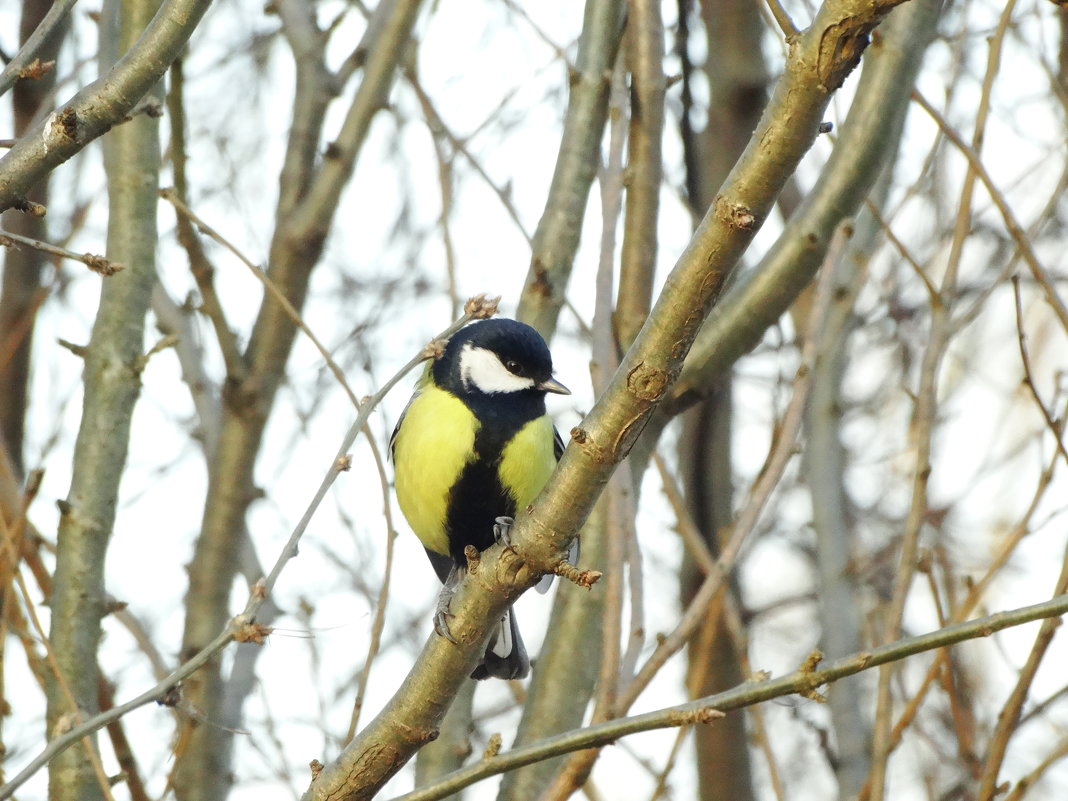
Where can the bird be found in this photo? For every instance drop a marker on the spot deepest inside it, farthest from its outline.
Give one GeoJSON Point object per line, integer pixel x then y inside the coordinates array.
{"type": "Point", "coordinates": [474, 445]}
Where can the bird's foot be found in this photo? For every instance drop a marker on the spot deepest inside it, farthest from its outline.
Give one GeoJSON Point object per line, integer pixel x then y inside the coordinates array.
{"type": "Point", "coordinates": [441, 610]}
{"type": "Point", "coordinates": [502, 531]}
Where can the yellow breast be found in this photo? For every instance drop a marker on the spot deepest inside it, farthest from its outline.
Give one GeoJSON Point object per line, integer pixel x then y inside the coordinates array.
{"type": "Point", "coordinates": [432, 446]}
{"type": "Point", "coordinates": [528, 461]}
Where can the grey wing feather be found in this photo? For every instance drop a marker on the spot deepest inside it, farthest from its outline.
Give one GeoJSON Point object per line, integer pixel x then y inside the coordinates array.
{"type": "Point", "coordinates": [546, 581]}
{"type": "Point", "coordinates": [558, 444]}
{"type": "Point", "coordinates": [396, 428]}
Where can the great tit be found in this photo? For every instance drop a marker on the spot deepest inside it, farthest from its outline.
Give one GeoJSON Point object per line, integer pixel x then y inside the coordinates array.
{"type": "Point", "coordinates": [473, 445]}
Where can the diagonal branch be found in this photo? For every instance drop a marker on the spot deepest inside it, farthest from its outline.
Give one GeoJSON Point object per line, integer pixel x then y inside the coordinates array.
{"type": "Point", "coordinates": [164, 690]}
{"type": "Point", "coordinates": [101, 104]}
{"type": "Point", "coordinates": [803, 682]}
{"type": "Point", "coordinates": [557, 237]}
{"type": "Point", "coordinates": [816, 67]}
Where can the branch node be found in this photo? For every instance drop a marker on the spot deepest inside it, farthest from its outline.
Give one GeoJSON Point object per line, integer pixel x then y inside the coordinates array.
{"type": "Point", "coordinates": [28, 206]}
{"type": "Point", "coordinates": [736, 215]}
{"type": "Point", "coordinates": [168, 341]}
{"type": "Point", "coordinates": [101, 265]}
{"type": "Point", "coordinates": [807, 669]}
{"type": "Point", "coordinates": [36, 69]}
{"type": "Point", "coordinates": [473, 559]}
{"type": "Point", "coordinates": [493, 747]}
{"type": "Point", "coordinates": [705, 714]}
{"type": "Point", "coordinates": [433, 349]}
{"type": "Point", "coordinates": [480, 307]}
{"type": "Point", "coordinates": [171, 696]}
{"type": "Point", "coordinates": [584, 578]}
{"type": "Point", "coordinates": [587, 445]}
{"type": "Point", "coordinates": [78, 350]}
{"type": "Point", "coordinates": [252, 632]}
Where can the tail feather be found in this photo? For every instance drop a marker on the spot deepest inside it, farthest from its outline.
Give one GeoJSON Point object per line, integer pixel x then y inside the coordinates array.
{"type": "Point", "coordinates": [506, 656]}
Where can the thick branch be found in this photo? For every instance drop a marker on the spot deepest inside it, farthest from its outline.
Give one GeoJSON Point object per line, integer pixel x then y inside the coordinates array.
{"type": "Point", "coordinates": [868, 138]}
{"type": "Point", "coordinates": [557, 237]}
{"type": "Point", "coordinates": [817, 65]}
{"type": "Point", "coordinates": [637, 267]}
{"type": "Point", "coordinates": [101, 104]}
{"type": "Point", "coordinates": [113, 364]}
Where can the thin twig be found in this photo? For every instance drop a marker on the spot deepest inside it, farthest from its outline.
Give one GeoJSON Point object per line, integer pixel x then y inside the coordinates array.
{"type": "Point", "coordinates": [975, 595]}
{"type": "Point", "coordinates": [27, 54]}
{"type": "Point", "coordinates": [786, 25]}
{"type": "Point", "coordinates": [744, 695]}
{"type": "Point", "coordinates": [1029, 379]}
{"type": "Point", "coordinates": [98, 264]}
{"type": "Point", "coordinates": [1016, 231]}
{"type": "Point", "coordinates": [277, 294]}
{"type": "Point", "coordinates": [439, 128]}
{"type": "Point", "coordinates": [199, 264]}
{"type": "Point", "coordinates": [476, 308]}
{"type": "Point", "coordinates": [379, 621]}
{"type": "Point", "coordinates": [1009, 716]}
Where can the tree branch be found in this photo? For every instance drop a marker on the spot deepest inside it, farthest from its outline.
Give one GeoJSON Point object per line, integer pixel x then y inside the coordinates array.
{"type": "Point", "coordinates": [101, 104]}
{"type": "Point", "coordinates": [803, 682]}
{"type": "Point", "coordinates": [113, 364]}
{"type": "Point", "coordinates": [557, 237]}
{"type": "Point", "coordinates": [817, 65]}
{"type": "Point", "coordinates": [162, 691]}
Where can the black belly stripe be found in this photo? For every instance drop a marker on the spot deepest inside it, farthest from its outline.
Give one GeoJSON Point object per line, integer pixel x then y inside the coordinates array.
{"type": "Point", "coordinates": [478, 498]}
{"type": "Point", "coordinates": [475, 501]}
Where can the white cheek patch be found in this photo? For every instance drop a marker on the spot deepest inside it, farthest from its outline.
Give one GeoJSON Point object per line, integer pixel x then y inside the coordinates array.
{"type": "Point", "coordinates": [482, 369]}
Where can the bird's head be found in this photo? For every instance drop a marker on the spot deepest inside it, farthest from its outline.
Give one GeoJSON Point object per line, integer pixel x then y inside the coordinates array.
{"type": "Point", "coordinates": [496, 356]}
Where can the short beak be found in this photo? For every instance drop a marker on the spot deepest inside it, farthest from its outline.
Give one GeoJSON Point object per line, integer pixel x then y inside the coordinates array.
{"type": "Point", "coordinates": [552, 385]}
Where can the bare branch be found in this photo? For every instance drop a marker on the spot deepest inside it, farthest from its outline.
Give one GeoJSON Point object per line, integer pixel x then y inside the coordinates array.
{"type": "Point", "coordinates": [99, 106]}
{"type": "Point", "coordinates": [98, 264]}
{"type": "Point", "coordinates": [166, 688]}
{"type": "Point", "coordinates": [28, 54]}
{"type": "Point", "coordinates": [557, 236]}
{"type": "Point", "coordinates": [704, 710]}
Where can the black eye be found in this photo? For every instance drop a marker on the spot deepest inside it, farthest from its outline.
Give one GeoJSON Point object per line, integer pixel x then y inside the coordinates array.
{"type": "Point", "coordinates": [513, 367]}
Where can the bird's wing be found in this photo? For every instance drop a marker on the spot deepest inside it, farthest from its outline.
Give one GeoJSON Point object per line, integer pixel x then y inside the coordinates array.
{"type": "Point", "coordinates": [546, 581]}
{"type": "Point", "coordinates": [442, 563]}
{"type": "Point", "coordinates": [396, 428]}
{"type": "Point", "coordinates": [558, 444]}
{"type": "Point", "coordinates": [407, 406]}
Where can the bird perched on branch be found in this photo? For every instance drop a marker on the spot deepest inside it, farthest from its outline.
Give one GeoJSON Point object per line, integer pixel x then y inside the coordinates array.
{"type": "Point", "coordinates": [473, 445]}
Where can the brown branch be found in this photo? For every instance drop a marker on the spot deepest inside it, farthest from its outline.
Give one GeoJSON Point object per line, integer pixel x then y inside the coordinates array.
{"type": "Point", "coordinates": [1009, 716]}
{"type": "Point", "coordinates": [102, 104]}
{"type": "Point", "coordinates": [269, 285]}
{"type": "Point", "coordinates": [199, 264]}
{"type": "Point", "coordinates": [1016, 231]}
{"type": "Point", "coordinates": [556, 239]}
{"type": "Point", "coordinates": [704, 710]}
{"type": "Point", "coordinates": [644, 53]}
{"type": "Point", "coordinates": [1056, 428]}
{"type": "Point", "coordinates": [605, 360]}
{"type": "Point", "coordinates": [165, 690]}
{"type": "Point", "coordinates": [922, 422]}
